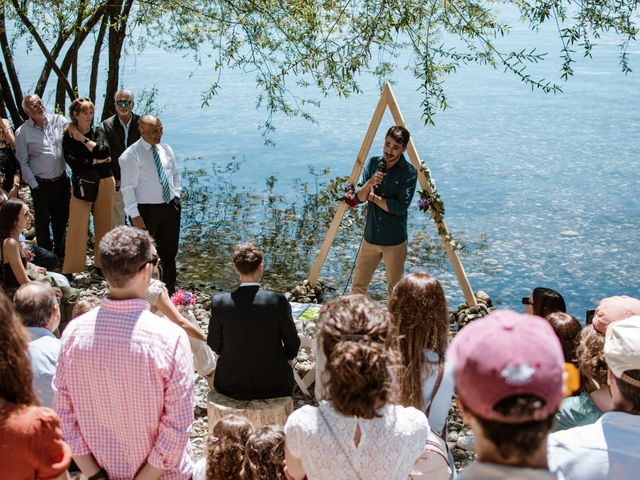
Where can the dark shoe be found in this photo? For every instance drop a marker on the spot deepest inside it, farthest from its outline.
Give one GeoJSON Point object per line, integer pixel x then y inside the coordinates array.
{"type": "Point", "coordinates": [98, 271]}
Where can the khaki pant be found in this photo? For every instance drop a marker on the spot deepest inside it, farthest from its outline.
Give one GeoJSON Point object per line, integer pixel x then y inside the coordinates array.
{"type": "Point", "coordinates": [118, 209]}
{"type": "Point", "coordinates": [78, 230]}
{"type": "Point", "coordinates": [368, 260]}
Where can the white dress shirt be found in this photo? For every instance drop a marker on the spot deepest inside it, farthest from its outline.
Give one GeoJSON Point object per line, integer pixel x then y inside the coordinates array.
{"type": "Point", "coordinates": [140, 182]}
{"type": "Point", "coordinates": [44, 349]}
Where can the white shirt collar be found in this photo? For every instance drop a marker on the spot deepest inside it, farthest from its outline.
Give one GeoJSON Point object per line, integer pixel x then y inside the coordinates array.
{"type": "Point", "coordinates": [249, 284]}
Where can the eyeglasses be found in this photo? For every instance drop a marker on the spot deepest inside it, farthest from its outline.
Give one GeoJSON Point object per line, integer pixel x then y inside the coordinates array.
{"type": "Point", "coordinates": [526, 301]}
{"type": "Point", "coordinates": [123, 103]}
{"type": "Point", "coordinates": [153, 261]}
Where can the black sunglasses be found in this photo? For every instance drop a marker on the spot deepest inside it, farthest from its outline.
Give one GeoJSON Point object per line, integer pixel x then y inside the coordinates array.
{"type": "Point", "coordinates": [526, 301]}
{"type": "Point", "coordinates": [153, 261]}
{"type": "Point", "coordinates": [122, 103]}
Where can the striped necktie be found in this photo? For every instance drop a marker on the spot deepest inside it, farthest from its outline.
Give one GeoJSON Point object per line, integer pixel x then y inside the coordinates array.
{"type": "Point", "coordinates": [166, 192]}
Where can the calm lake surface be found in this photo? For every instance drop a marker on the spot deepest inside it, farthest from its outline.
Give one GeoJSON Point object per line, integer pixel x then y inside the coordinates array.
{"type": "Point", "coordinates": [542, 189]}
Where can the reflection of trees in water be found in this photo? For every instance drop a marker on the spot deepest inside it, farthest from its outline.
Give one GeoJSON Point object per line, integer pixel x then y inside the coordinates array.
{"type": "Point", "coordinates": [217, 214]}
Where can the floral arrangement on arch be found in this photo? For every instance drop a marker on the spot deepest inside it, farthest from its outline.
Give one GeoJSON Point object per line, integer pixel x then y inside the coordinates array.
{"type": "Point", "coordinates": [183, 298]}
{"type": "Point", "coordinates": [430, 201]}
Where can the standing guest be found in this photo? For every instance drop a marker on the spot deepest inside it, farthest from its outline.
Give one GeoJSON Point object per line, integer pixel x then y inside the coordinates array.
{"type": "Point", "coordinates": [544, 301]}
{"type": "Point", "coordinates": [358, 433]}
{"type": "Point", "coordinates": [87, 152]}
{"type": "Point", "coordinates": [31, 445]}
{"type": "Point", "coordinates": [122, 131]}
{"type": "Point", "coordinates": [388, 184]}
{"type": "Point", "coordinates": [508, 369]}
{"type": "Point", "coordinates": [39, 151]}
{"type": "Point", "coordinates": [124, 383]}
{"type": "Point", "coordinates": [36, 304]}
{"type": "Point", "coordinates": [9, 166]}
{"type": "Point", "coordinates": [253, 332]}
{"type": "Point", "coordinates": [607, 448]}
{"type": "Point", "coordinates": [264, 454]}
{"type": "Point", "coordinates": [225, 452]}
{"type": "Point", "coordinates": [151, 191]}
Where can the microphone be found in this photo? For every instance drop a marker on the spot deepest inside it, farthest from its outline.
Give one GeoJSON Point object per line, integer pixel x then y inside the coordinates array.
{"type": "Point", "coordinates": [382, 167]}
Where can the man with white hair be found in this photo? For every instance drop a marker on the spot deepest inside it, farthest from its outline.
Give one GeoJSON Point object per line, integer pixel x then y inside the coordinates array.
{"type": "Point", "coordinates": [39, 151]}
{"type": "Point", "coordinates": [607, 448]}
{"type": "Point", "coordinates": [38, 306]}
{"type": "Point", "coordinates": [122, 131]}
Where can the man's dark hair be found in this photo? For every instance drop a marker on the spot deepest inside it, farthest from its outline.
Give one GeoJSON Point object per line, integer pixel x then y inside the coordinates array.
{"type": "Point", "coordinates": [517, 440]}
{"type": "Point", "coordinates": [34, 303]}
{"type": "Point", "coordinates": [123, 252]}
{"type": "Point", "coordinates": [631, 393]}
{"type": "Point", "coordinates": [399, 134]}
{"type": "Point", "coordinates": [247, 257]}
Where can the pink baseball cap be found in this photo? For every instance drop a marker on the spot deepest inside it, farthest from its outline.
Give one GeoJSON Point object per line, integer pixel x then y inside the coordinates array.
{"type": "Point", "coordinates": [506, 354]}
{"type": "Point", "coordinates": [613, 309]}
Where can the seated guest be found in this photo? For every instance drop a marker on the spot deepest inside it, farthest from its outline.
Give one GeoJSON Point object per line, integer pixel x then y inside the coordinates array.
{"type": "Point", "coordinates": [253, 332]}
{"type": "Point", "coordinates": [358, 433]}
{"type": "Point", "coordinates": [567, 330]}
{"type": "Point", "coordinates": [264, 454]}
{"type": "Point", "coordinates": [124, 383]}
{"type": "Point", "coordinates": [508, 369]}
{"type": "Point", "coordinates": [225, 452]}
{"type": "Point", "coordinates": [420, 314]}
{"type": "Point", "coordinates": [544, 301]}
{"type": "Point", "coordinates": [84, 305]}
{"type": "Point", "coordinates": [37, 305]}
{"type": "Point", "coordinates": [31, 445]}
{"type": "Point", "coordinates": [607, 448]}
{"type": "Point", "coordinates": [595, 398]}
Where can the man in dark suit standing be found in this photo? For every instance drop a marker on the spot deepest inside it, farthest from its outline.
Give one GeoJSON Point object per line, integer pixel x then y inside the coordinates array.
{"type": "Point", "coordinates": [122, 131]}
{"type": "Point", "coordinates": [253, 332]}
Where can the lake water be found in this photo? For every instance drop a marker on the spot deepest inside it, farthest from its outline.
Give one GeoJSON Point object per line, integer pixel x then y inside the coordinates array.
{"type": "Point", "coordinates": [544, 190]}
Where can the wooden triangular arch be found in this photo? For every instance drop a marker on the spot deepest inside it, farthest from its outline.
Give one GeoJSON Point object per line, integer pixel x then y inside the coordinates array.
{"type": "Point", "coordinates": [387, 99]}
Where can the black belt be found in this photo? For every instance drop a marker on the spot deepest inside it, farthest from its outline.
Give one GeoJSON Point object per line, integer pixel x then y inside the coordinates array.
{"type": "Point", "coordinates": [51, 180]}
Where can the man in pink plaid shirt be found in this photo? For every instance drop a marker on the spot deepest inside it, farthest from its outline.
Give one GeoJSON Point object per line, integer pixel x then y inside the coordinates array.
{"type": "Point", "coordinates": [124, 383]}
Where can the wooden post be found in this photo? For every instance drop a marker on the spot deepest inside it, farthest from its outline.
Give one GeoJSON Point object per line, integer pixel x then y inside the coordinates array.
{"type": "Point", "coordinates": [387, 99]}
{"type": "Point", "coordinates": [353, 178]}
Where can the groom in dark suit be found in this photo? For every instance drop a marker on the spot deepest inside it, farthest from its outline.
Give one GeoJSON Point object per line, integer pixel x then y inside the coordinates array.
{"type": "Point", "coordinates": [253, 332]}
{"type": "Point", "coordinates": [122, 131]}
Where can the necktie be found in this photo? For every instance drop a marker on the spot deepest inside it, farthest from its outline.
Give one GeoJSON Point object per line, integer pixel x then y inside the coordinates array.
{"type": "Point", "coordinates": [164, 183]}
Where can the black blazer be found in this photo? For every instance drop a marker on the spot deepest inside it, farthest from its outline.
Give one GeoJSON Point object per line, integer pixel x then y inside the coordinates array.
{"type": "Point", "coordinates": [253, 332]}
{"type": "Point", "coordinates": [115, 137]}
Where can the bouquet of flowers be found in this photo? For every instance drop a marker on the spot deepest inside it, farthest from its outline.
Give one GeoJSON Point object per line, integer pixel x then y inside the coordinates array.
{"type": "Point", "coordinates": [350, 200]}
{"type": "Point", "coordinates": [182, 298]}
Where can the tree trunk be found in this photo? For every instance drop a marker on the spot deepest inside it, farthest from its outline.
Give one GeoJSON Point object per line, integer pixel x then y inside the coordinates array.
{"type": "Point", "coordinates": [95, 61]}
{"type": "Point", "coordinates": [7, 99]}
{"type": "Point", "coordinates": [15, 105]}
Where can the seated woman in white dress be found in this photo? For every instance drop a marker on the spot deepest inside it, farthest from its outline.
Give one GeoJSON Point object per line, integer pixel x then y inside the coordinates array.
{"type": "Point", "coordinates": [358, 433]}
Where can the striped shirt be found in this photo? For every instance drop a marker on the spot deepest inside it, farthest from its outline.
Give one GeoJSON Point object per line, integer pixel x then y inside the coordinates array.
{"type": "Point", "coordinates": [124, 390]}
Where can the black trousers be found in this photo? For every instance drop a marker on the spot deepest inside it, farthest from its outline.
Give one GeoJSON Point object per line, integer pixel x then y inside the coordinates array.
{"type": "Point", "coordinates": [163, 224]}
{"type": "Point", "coordinates": [51, 208]}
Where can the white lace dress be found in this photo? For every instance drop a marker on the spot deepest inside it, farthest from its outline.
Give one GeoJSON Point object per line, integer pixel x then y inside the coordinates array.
{"type": "Point", "coordinates": [389, 445]}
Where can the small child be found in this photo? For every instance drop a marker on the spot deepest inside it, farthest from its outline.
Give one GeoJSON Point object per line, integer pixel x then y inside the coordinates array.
{"type": "Point", "coordinates": [264, 454]}
{"type": "Point", "coordinates": [85, 305]}
{"type": "Point", "coordinates": [225, 452]}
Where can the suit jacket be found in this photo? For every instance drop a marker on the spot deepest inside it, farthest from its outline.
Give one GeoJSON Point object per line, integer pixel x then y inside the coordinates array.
{"type": "Point", "coordinates": [115, 136]}
{"type": "Point", "coordinates": [253, 332]}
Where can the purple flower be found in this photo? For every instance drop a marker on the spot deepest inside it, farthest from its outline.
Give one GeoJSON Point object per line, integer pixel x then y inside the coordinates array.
{"type": "Point", "coordinates": [423, 204]}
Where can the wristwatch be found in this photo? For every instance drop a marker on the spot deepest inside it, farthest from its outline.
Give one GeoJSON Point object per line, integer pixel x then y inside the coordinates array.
{"type": "Point", "coordinates": [86, 140]}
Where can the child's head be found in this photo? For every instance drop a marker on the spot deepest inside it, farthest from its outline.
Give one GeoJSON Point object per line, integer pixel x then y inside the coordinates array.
{"type": "Point", "coordinates": [84, 305]}
{"type": "Point", "coordinates": [264, 454]}
{"type": "Point", "coordinates": [226, 447]}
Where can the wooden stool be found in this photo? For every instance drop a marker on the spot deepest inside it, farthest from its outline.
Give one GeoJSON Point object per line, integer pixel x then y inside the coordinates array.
{"type": "Point", "coordinates": [259, 412]}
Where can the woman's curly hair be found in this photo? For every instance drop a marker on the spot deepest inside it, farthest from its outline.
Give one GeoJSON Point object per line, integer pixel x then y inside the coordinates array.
{"type": "Point", "coordinates": [264, 454]}
{"type": "Point", "coordinates": [226, 447]}
{"type": "Point", "coordinates": [590, 354]}
{"type": "Point", "coordinates": [360, 345]}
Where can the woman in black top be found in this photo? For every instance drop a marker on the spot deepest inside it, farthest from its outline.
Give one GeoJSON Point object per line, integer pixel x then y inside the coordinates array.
{"type": "Point", "coordinates": [9, 166]}
{"type": "Point", "coordinates": [86, 151]}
